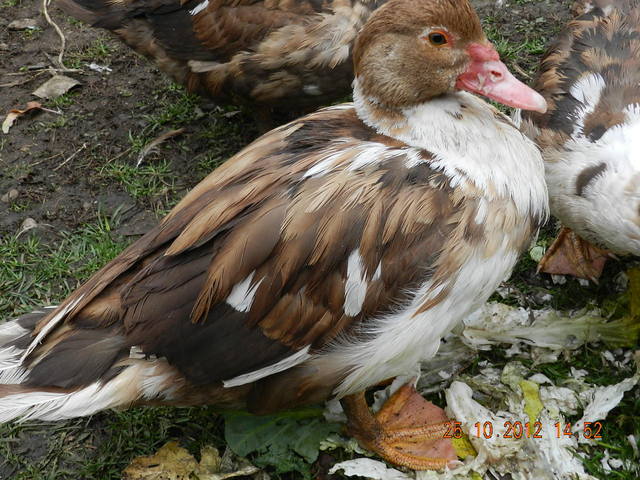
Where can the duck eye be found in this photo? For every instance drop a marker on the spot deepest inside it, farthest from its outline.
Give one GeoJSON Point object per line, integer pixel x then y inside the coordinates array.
{"type": "Point", "coordinates": [437, 39]}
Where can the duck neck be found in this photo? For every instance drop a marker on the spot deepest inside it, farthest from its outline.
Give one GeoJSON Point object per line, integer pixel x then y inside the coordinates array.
{"type": "Point", "coordinates": [385, 119]}
{"type": "Point", "coordinates": [416, 125]}
{"type": "Point", "coordinates": [468, 140]}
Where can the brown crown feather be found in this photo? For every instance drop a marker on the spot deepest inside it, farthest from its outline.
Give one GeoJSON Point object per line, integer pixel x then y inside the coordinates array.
{"type": "Point", "coordinates": [411, 17]}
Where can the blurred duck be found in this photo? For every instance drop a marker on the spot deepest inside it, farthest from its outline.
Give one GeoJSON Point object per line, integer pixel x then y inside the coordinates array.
{"type": "Point", "coordinates": [291, 54]}
{"type": "Point", "coordinates": [590, 136]}
{"type": "Point", "coordinates": [329, 255]}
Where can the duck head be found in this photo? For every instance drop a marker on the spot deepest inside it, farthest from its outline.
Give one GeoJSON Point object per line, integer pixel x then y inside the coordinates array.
{"type": "Point", "coordinates": [411, 51]}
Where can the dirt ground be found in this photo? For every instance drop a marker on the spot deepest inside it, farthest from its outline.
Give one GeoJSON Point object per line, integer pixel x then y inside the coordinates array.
{"type": "Point", "coordinates": [71, 168]}
{"type": "Point", "coordinates": [57, 162]}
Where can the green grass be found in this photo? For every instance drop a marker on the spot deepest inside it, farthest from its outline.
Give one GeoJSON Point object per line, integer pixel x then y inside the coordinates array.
{"type": "Point", "coordinates": [144, 181]}
{"type": "Point", "coordinates": [100, 51]}
{"type": "Point", "coordinates": [518, 56]}
{"type": "Point", "coordinates": [225, 129]}
{"type": "Point", "coordinates": [30, 33]}
{"type": "Point", "coordinates": [73, 21]}
{"type": "Point", "coordinates": [176, 108]}
{"type": "Point", "coordinates": [63, 101]}
{"type": "Point", "coordinates": [173, 108]}
{"type": "Point", "coordinates": [60, 121]}
{"type": "Point", "coordinates": [100, 447]}
{"type": "Point", "coordinates": [521, 38]}
{"type": "Point", "coordinates": [34, 273]}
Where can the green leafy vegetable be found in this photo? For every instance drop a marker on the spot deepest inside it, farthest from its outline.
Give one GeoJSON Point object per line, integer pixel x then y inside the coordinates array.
{"type": "Point", "coordinates": [288, 442]}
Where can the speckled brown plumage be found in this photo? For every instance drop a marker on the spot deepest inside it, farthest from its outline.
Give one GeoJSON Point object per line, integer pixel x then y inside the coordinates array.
{"type": "Point", "coordinates": [172, 284]}
{"type": "Point", "coordinates": [330, 254]}
{"type": "Point", "coordinates": [167, 293]}
{"type": "Point", "coordinates": [590, 78]}
{"type": "Point", "coordinates": [291, 54]}
{"type": "Point", "coordinates": [593, 43]}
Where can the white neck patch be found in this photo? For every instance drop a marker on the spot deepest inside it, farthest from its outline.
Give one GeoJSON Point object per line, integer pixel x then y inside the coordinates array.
{"type": "Point", "coordinates": [471, 141]}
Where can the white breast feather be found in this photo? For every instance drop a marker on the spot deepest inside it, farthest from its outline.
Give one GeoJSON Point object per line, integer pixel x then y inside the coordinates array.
{"type": "Point", "coordinates": [402, 339]}
{"type": "Point", "coordinates": [469, 144]}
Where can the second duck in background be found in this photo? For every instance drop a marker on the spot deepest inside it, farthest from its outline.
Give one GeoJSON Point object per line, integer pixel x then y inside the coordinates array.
{"type": "Point", "coordinates": [288, 54]}
{"type": "Point", "coordinates": [590, 136]}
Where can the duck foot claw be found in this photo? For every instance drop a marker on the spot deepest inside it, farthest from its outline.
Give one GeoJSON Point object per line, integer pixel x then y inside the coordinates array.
{"type": "Point", "coordinates": [392, 432]}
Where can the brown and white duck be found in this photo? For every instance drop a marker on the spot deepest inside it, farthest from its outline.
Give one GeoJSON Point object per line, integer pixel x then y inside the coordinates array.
{"type": "Point", "coordinates": [590, 136]}
{"type": "Point", "coordinates": [329, 255]}
{"type": "Point", "coordinates": [292, 54]}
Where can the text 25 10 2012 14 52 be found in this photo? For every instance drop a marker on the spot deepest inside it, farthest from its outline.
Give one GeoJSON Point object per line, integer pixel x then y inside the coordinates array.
{"type": "Point", "coordinates": [517, 430]}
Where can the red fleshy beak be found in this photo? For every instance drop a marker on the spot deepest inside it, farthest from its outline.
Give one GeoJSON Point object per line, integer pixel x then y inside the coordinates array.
{"type": "Point", "coordinates": [488, 76]}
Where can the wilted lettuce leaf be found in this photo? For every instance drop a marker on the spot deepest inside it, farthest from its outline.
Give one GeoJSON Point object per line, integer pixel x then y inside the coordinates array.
{"type": "Point", "coordinates": [288, 442]}
{"type": "Point", "coordinates": [532, 403]}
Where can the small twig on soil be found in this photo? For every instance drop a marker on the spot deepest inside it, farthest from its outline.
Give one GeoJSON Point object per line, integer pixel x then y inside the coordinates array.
{"type": "Point", "coordinates": [53, 60]}
{"type": "Point", "coordinates": [118, 156]}
{"type": "Point", "coordinates": [63, 40]}
{"type": "Point", "coordinates": [17, 82]}
{"type": "Point", "coordinates": [20, 74]}
{"type": "Point", "coordinates": [84, 145]}
{"type": "Point", "coordinates": [31, 165]}
{"type": "Point", "coordinates": [22, 82]}
{"type": "Point", "coordinates": [57, 112]}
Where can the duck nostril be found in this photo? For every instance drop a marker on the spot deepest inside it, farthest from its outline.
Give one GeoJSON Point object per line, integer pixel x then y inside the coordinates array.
{"type": "Point", "coordinates": [496, 75]}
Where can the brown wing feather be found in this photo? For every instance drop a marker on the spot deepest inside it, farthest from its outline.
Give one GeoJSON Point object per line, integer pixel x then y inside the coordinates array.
{"type": "Point", "coordinates": [169, 292]}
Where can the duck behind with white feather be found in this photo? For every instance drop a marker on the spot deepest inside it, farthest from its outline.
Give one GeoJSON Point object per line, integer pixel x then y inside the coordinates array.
{"type": "Point", "coordinates": [329, 255]}
{"type": "Point", "coordinates": [590, 136]}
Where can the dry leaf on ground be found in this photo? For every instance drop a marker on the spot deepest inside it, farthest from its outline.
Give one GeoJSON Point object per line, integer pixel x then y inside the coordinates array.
{"type": "Point", "coordinates": [172, 462]}
{"type": "Point", "coordinates": [24, 24]}
{"type": "Point", "coordinates": [10, 196]}
{"type": "Point", "coordinates": [55, 86]}
{"type": "Point", "coordinates": [28, 224]}
{"type": "Point", "coordinates": [15, 113]}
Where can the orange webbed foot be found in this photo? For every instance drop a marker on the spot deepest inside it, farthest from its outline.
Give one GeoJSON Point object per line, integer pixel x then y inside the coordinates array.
{"type": "Point", "coordinates": [407, 431]}
{"type": "Point", "coordinates": [571, 255]}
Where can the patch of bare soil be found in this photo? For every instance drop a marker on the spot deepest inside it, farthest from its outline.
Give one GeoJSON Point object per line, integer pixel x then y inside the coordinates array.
{"type": "Point", "coordinates": [56, 163]}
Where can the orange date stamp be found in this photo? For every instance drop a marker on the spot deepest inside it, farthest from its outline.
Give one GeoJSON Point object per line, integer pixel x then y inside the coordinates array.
{"type": "Point", "coordinates": [518, 430]}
